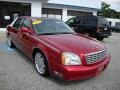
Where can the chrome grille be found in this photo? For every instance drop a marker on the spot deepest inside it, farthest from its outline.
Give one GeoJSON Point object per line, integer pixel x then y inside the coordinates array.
{"type": "Point", "coordinates": [96, 57]}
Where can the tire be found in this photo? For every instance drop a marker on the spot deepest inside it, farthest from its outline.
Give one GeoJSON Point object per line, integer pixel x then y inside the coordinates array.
{"type": "Point", "coordinates": [41, 64]}
{"type": "Point", "coordinates": [9, 42]}
{"type": "Point", "coordinates": [100, 38]}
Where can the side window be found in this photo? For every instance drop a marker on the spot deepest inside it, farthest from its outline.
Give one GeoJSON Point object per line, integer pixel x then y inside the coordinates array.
{"type": "Point", "coordinates": [77, 21]}
{"type": "Point", "coordinates": [84, 21]}
{"type": "Point", "coordinates": [17, 23]}
{"type": "Point", "coordinates": [89, 21]}
{"type": "Point", "coordinates": [26, 23]}
{"type": "Point", "coordinates": [70, 21]}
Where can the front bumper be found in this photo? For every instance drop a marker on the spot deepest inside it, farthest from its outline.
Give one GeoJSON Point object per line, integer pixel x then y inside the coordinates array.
{"type": "Point", "coordinates": [70, 73]}
{"type": "Point", "coordinates": [103, 34]}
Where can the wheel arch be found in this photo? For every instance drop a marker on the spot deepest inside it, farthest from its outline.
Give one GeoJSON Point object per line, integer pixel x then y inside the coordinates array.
{"type": "Point", "coordinates": [45, 56]}
{"type": "Point", "coordinates": [39, 50]}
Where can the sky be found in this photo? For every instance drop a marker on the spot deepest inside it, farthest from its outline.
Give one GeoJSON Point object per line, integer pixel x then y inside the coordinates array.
{"type": "Point", "coordinates": [115, 4]}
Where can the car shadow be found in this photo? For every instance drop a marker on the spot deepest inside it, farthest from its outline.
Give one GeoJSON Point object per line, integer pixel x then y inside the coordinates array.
{"type": "Point", "coordinates": [26, 58]}
{"type": "Point", "coordinates": [63, 82]}
{"type": "Point", "coordinates": [20, 53]}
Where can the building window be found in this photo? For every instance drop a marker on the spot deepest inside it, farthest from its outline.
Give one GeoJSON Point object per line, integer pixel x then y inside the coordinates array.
{"type": "Point", "coordinates": [70, 14]}
{"type": "Point", "coordinates": [10, 10]}
{"type": "Point", "coordinates": [44, 12]}
{"type": "Point", "coordinates": [58, 14]}
{"type": "Point", "coordinates": [52, 13]}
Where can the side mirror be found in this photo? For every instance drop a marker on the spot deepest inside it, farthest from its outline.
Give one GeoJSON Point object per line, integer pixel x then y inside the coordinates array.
{"type": "Point", "coordinates": [26, 30]}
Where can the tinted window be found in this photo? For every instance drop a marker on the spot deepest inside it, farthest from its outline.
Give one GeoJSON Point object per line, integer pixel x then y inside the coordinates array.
{"type": "Point", "coordinates": [103, 21]}
{"type": "Point", "coordinates": [70, 21]}
{"type": "Point", "coordinates": [89, 20]}
{"type": "Point", "coordinates": [26, 23]}
{"type": "Point", "coordinates": [17, 23]}
{"type": "Point", "coordinates": [78, 21]}
{"type": "Point", "coordinates": [52, 27]}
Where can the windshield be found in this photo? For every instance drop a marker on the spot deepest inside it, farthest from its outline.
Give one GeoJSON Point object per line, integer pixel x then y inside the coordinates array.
{"type": "Point", "coordinates": [103, 21]}
{"type": "Point", "coordinates": [51, 27]}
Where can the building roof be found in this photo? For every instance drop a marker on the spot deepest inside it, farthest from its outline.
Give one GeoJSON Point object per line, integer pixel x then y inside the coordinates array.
{"type": "Point", "coordinates": [69, 7]}
{"type": "Point", "coordinates": [25, 1]}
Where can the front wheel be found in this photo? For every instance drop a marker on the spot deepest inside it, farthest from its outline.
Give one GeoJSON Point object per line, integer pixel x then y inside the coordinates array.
{"type": "Point", "coordinates": [41, 64]}
{"type": "Point", "coordinates": [100, 38]}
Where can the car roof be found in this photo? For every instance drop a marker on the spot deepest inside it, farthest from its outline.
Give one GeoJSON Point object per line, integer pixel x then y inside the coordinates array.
{"type": "Point", "coordinates": [87, 16]}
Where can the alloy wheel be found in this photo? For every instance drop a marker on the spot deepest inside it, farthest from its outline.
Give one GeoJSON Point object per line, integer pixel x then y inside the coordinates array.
{"type": "Point", "coordinates": [39, 62]}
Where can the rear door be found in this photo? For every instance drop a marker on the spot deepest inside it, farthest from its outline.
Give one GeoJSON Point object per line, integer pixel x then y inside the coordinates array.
{"type": "Point", "coordinates": [89, 22]}
{"type": "Point", "coordinates": [15, 32]}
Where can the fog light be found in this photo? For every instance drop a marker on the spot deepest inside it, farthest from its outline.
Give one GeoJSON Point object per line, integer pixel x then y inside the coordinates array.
{"type": "Point", "coordinates": [58, 74]}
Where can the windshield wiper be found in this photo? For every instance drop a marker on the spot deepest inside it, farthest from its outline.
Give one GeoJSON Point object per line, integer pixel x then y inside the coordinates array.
{"type": "Point", "coordinates": [65, 33]}
{"type": "Point", "coordinates": [46, 34]}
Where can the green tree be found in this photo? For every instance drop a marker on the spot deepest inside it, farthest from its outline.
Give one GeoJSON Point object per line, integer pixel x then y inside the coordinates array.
{"type": "Point", "coordinates": [106, 11]}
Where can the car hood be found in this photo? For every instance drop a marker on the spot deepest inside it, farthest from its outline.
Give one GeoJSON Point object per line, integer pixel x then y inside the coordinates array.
{"type": "Point", "coordinates": [73, 43]}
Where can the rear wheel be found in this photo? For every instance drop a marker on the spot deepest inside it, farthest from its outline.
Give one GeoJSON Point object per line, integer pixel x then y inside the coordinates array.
{"type": "Point", "coordinates": [10, 43]}
{"type": "Point", "coordinates": [100, 38]}
{"type": "Point", "coordinates": [41, 64]}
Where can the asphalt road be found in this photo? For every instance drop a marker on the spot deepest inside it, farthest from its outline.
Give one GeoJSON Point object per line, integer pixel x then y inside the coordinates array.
{"type": "Point", "coordinates": [17, 72]}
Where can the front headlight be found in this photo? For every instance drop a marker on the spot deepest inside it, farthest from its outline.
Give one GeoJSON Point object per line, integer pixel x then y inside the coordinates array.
{"type": "Point", "coordinates": [70, 59]}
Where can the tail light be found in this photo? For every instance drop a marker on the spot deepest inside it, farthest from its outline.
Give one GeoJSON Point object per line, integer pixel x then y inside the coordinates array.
{"type": "Point", "coordinates": [98, 30]}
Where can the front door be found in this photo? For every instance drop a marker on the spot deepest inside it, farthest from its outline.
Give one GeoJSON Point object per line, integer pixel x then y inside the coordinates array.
{"type": "Point", "coordinates": [26, 40]}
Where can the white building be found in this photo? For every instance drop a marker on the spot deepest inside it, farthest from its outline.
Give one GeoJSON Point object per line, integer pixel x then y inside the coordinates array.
{"type": "Point", "coordinates": [113, 21]}
{"type": "Point", "coordinates": [39, 8]}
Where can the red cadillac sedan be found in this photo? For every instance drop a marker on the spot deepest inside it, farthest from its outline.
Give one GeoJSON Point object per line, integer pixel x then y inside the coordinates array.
{"type": "Point", "coordinates": [56, 49]}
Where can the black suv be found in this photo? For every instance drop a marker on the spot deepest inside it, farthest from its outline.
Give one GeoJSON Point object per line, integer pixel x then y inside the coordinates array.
{"type": "Point", "coordinates": [94, 26]}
